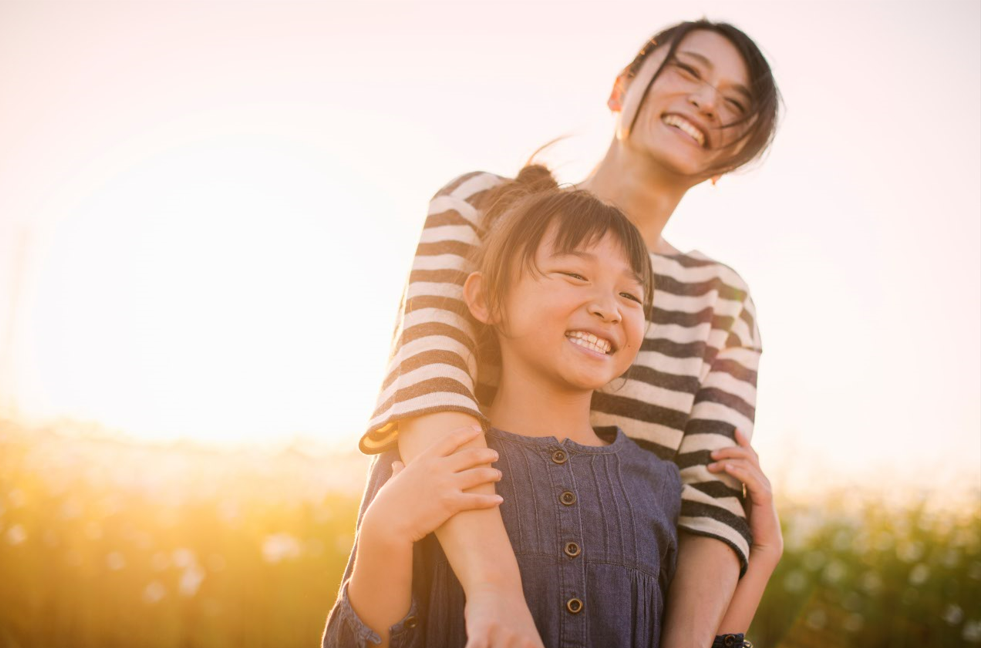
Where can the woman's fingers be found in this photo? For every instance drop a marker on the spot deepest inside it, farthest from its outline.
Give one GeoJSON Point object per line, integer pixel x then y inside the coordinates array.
{"type": "Point", "coordinates": [473, 501]}
{"type": "Point", "coordinates": [735, 452]}
{"type": "Point", "coordinates": [452, 441]}
{"type": "Point", "coordinates": [749, 474]}
{"type": "Point", "coordinates": [477, 476]}
{"type": "Point", "coordinates": [470, 458]}
{"type": "Point", "coordinates": [741, 438]}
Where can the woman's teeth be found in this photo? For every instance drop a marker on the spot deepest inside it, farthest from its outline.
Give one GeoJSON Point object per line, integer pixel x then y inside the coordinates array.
{"type": "Point", "coordinates": [590, 341]}
{"type": "Point", "coordinates": [685, 126]}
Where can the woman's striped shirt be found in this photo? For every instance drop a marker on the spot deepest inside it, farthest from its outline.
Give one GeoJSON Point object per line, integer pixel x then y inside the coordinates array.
{"type": "Point", "coordinates": [692, 385]}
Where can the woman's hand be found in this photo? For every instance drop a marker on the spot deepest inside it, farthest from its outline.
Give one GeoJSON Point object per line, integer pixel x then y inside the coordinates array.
{"type": "Point", "coordinates": [743, 463]}
{"type": "Point", "coordinates": [420, 497]}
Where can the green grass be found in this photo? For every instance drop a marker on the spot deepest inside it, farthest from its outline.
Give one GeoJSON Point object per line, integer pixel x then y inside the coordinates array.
{"type": "Point", "coordinates": [108, 544]}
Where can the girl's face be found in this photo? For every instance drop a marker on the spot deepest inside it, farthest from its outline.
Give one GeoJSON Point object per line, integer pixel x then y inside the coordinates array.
{"type": "Point", "coordinates": [702, 89]}
{"type": "Point", "coordinates": [579, 322]}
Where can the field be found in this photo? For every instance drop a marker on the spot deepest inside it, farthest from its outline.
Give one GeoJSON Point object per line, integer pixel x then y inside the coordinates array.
{"type": "Point", "coordinates": [105, 543]}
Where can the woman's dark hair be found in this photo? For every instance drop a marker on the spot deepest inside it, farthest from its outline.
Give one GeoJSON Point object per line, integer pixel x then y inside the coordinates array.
{"type": "Point", "coordinates": [523, 211]}
{"type": "Point", "coordinates": [762, 114]}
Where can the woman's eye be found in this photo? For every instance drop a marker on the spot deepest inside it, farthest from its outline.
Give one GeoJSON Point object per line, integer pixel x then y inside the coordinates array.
{"type": "Point", "coordinates": [738, 107]}
{"type": "Point", "coordinates": [687, 69]}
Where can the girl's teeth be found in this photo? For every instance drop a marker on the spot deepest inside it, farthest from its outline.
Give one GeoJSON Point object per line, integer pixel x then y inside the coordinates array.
{"type": "Point", "coordinates": [590, 341]}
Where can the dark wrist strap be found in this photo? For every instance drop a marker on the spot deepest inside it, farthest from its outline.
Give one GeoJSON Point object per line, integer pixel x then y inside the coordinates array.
{"type": "Point", "coordinates": [731, 641]}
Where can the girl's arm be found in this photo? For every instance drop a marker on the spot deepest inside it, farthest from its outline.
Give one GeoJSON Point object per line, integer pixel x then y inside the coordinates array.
{"type": "Point", "coordinates": [377, 597]}
{"type": "Point", "coordinates": [477, 546]}
{"type": "Point", "coordinates": [743, 463]}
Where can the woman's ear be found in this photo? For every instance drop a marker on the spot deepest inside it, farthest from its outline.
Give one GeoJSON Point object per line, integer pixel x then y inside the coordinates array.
{"type": "Point", "coordinates": [476, 298]}
{"type": "Point", "coordinates": [615, 102]}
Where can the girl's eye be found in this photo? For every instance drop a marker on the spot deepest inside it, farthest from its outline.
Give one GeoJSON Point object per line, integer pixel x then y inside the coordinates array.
{"type": "Point", "coordinates": [574, 275]}
{"type": "Point", "coordinates": [631, 297]}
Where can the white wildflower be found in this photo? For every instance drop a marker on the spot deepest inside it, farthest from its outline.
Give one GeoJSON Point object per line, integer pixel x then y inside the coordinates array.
{"type": "Point", "coordinates": [16, 535]}
{"type": "Point", "coordinates": [191, 580]}
{"type": "Point", "coordinates": [280, 546]}
{"type": "Point", "coordinates": [919, 574]}
{"type": "Point", "coordinates": [115, 560]}
{"type": "Point", "coordinates": [953, 614]}
{"type": "Point", "coordinates": [154, 592]}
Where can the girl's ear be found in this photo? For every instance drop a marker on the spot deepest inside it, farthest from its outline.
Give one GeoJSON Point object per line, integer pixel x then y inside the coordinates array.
{"type": "Point", "coordinates": [476, 298]}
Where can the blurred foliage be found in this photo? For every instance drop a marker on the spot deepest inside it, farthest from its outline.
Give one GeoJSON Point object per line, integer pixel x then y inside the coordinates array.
{"type": "Point", "coordinates": [105, 543]}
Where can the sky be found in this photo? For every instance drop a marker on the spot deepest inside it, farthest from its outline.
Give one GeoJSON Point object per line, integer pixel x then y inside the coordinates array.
{"type": "Point", "coordinates": [208, 210]}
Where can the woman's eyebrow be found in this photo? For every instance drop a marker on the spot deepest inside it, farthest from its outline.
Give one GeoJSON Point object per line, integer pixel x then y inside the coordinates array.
{"type": "Point", "coordinates": [738, 87]}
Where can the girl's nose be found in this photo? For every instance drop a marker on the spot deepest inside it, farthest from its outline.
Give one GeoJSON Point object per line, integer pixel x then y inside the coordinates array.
{"type": "Point", "coordinates": [606, 309]}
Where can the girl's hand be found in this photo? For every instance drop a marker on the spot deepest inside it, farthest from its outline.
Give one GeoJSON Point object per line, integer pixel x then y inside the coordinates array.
{"type": "Point", "coordinates": [743, 463]}
{"type": "Point", "coordinates": [420, 497]}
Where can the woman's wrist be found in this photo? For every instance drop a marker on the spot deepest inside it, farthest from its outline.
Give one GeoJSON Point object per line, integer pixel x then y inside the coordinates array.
{"type": "Point", "coordinates": [765, 558]}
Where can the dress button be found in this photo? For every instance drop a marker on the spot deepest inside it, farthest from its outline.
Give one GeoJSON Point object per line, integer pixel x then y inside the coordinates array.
{"type": "Point", "coordinates": [411, 622]}
{"type": "Point", "coordinates": [572, 549]}
{"type": "Point", "coordinates": [568, 498]}
{"type": "Point", "coordinates": [560, 457]}
{"type": "Point", "coordinates": [574, 605]}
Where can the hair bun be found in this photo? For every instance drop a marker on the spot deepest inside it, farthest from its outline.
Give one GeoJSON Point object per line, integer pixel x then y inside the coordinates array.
{"type": "Point", "coordinates": [535, 178]}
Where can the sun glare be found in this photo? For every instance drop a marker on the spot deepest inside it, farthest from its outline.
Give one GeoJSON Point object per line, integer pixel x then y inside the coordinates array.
{"type": "Point", "coordinates": [208, 290]}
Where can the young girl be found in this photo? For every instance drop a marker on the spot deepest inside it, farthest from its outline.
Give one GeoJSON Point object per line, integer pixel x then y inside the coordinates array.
{"type": "Point", "coordinates": [563, 284]}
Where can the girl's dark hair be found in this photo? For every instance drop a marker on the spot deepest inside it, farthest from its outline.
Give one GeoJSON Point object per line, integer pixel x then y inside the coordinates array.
{"type": "Point", "coordinates": [520, 214]}
{"type": "Point", "coordinates": [763, 112]}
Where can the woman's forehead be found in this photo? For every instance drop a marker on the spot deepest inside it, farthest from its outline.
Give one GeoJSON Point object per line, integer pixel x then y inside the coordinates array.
{"type": "Point", "coordinates": [716, 53]}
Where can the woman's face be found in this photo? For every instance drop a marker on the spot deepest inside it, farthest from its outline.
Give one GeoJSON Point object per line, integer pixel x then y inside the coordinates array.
{"type": "Point", "coordinates": [704, 88]}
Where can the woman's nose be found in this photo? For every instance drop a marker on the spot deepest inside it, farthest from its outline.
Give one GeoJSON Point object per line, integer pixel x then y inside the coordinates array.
{"type": "Point", "coordinates": [704, 98]}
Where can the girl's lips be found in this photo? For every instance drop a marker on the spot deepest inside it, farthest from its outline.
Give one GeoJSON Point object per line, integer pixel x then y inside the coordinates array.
{"type": "Point", "coordinates": [591, 352]}
{"type": "Point", "coordinates": [590, 340]}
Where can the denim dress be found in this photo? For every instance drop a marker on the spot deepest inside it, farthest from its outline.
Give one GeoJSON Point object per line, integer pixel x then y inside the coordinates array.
{"type": "Point", "coordinates": [594, 532]}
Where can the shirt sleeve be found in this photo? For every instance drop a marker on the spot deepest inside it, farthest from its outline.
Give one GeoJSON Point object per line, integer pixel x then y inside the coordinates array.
{"type": "Point", "coordinates": [712, 504]}
{"type": "Point", "coordinates": [432, 366]}
{"type": "Point", "coordinates": [344, 629]}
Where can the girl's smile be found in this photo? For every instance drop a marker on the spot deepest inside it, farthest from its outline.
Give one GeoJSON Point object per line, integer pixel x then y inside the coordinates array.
{"type": "Point", "coordinates": [576, 320]}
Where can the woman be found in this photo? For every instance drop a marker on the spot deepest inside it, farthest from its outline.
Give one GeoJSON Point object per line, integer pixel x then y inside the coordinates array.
{"type": "Point", "coordinates": [698, 101]}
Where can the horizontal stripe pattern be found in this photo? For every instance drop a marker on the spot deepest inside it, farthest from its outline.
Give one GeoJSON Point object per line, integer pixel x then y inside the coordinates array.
{"type": "Point", "coordinates": [693, 383]}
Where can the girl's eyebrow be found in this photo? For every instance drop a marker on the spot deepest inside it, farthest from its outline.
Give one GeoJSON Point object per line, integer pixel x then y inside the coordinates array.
{"type": "Point", "coordinates": [588, 256]}
{"type": "Point", "coordinates": [738, 87]}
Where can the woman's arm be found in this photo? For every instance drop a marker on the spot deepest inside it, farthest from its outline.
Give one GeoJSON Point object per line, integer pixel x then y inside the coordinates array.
{"type": "Point", "coordinates": [429, 390]}
{"type": "Point", "coordinates": [714, 533]}
{"type": "Point", "coordinates": [743, 463]}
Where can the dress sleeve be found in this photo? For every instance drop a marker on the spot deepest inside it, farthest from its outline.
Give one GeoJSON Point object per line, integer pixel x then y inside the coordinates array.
{"type": "Point", "coordinates": [712, 504]}
{"type": "Point", "coordinates": [432, 366]}
{"type": "Point", "coordinates": [344, 628]}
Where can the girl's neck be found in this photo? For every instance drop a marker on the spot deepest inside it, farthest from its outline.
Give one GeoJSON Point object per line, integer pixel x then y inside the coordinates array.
{"type": "Point", "coordinates": [526, 406]}
{"type": "Point", "coordinates": [645, 191]}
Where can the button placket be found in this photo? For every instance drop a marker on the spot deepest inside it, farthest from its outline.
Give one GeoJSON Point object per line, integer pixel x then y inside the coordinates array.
{"type": "Point", "coordinates": [572, 570]}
